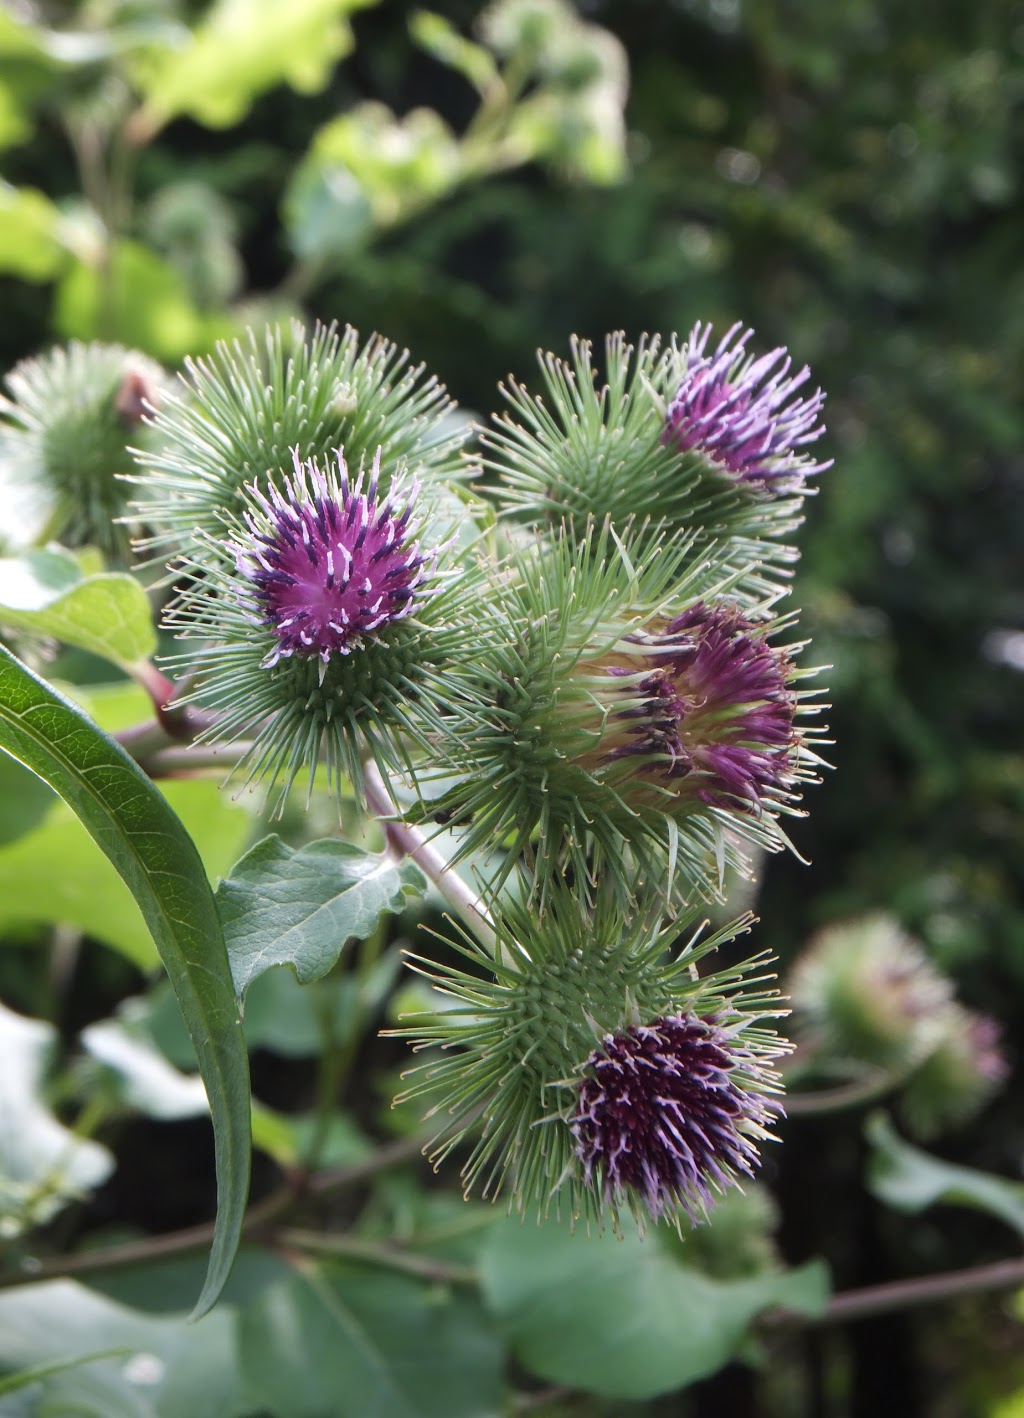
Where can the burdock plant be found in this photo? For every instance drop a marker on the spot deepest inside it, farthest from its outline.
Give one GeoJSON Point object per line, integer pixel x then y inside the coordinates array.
{"type": "Point", "coordinates": [582, 683]}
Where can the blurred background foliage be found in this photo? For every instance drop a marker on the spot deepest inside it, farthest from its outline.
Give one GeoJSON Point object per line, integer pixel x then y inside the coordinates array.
{"type": "Point", "coordinates": [847, 179]}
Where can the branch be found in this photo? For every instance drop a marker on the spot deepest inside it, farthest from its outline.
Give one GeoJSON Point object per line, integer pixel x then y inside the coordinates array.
{"type": "Point", "coordinates": [195, 1238]}
{"type": "Point", "coordinates": [409, 842]}
{"type": "Point", "coordinates": [343, 1247]}
{"type": "Point", "coordinates": [872, 1300]}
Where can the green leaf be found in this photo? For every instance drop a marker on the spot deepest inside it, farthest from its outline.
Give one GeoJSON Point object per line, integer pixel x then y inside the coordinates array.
{"type": "Point", "coordinates": [910, 1180]}
{"type": "Point", "coordinates": [29, 245]}
{"type": "Point", "coordinates": [368, 167]}
{"type": "Point", "coordinates": [26, 800]}
{"type": "Point", "coordinates": [154, 854]}
{"type": "Point", "coordinates": [240, 49]}
{"type": "Point", "coordinates": [294, 1020]}
{"type": "Point", "coordinates": [87, 892]}
{"type": "Point", "coordinates": [42, 1165]}
{"type": "Point", "coordinates": [621, 1317]}
{"type": "Point", "coordinates": [167, 1369]}
{"type": "Point", "coordinates": [282, 906]}
{"type": "Point", "coordinates": [136, 299]}
{"type": "Point", "coordinates": [106, 613]}
{"type": "Point", "coordinates": [348, 1341]}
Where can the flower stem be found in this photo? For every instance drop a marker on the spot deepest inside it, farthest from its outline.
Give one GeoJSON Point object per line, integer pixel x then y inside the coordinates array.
{"type": "Point", "coordinates": [409, 842]}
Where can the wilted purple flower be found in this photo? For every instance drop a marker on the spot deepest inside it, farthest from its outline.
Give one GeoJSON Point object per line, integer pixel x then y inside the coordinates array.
{"type": "Point", "coordinates": [743, 413]}
{"type": "Point", "coordinates": [716, 713]}
{"type": "Point", "coordinates": [670, 1111]}
{"type": "Point", "coordinates": [328, 563]}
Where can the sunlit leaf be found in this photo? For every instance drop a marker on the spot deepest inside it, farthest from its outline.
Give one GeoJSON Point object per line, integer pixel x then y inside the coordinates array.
{"type": "Point", "coordinates": [238, 50]}
{"type": "Point", "coordinates": [87, 893]}
{"type": "Point", "coordinates": [133, 297]}
{"type": "Point", "coordinates": [29, 245]}
{"type": "Point", "coordinates": [154, 854]}
{"type": "Point", "coordinates": [148, 1081]}
{"type": "Point", "coordinates": [106, 613]}
{"type": "Point", "coordinates": [440, 38]}
{"type": "Point", "coordinates": [282, 906]}
{"type": "Point", "coordinates": [621, 1317]}
{"type": "Point", "coordinates": [368, 168]}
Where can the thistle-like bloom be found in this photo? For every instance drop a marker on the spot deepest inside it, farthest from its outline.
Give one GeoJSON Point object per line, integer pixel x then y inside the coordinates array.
{"type": "Point", "coordinates": [864, 991]}
{"type": "Point", "coordinates": [959, 1076]}
{"type": "Point", "coordinates": [329, 564]}
{"type": "Point", "coordinates": [330, 632]}
{"type": "Point", "coordinates": [612, 734]}
{"type": "Point", "coordinates": [583, 1104]}
{"type": "Point", "coordinates": [744, 414]}
{"type": "Point", "coordinates": [64, 436]}
{"type": "Point", "coordinates": [671, 1111]}
{"type": "Point", "coordinates": [715, 716]}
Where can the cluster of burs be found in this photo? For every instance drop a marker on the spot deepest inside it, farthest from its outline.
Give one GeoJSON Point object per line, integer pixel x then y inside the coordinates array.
{"type": "Point", "coordinates": [555, 641]}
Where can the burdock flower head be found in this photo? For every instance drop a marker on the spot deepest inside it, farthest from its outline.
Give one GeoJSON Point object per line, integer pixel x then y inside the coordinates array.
{"type": "Point", "coordinates": [608, 1075]}
{"type": "Point", "coordinates": [671, 1112]}
{"type": "Point", "coordinates": [329, 564]}
{"type": "Point", "coordinates": [628, 740]}
{"type": "Point", "coordinates": [714, 716]}
{"type": "Point", "coordinates": [64, 436]}
{"type": "Point", "coordinates": [744, 414]}
{"type": "Point", "coordinates": [329, 626]}
{"type": "Point", "coordinates": [864, 992]}
{"type": "Point", "coordinates": [665, 442]}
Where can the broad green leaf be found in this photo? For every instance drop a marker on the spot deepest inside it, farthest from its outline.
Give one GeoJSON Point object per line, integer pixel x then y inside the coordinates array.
{"type": "Point", "coordinates": [621, 1317]}
{"type": "Point", "coordinates": [87, 892]}
{"type": "Point", "coordinates": [29, 245]}
{"type": "Point", "coordinates": [154, 854]}
{"type": "Point", "coordinates": [288, 1139]}
{"type": "Point", "coordinates": [348, 1341]}
{"type": "Point", "coordinates": [166, 1285]}
{"type": "Point", "coordinates": [106, 613]}
{"type": "Point", "coordinates": [132, 296]}
{"type": "Point", "coordinates": [166, 1367]}
{"type": "Point", "coordinates": [299, 907]}
{"type": "Point", "coordinates": [910, 1180]}
{"type": "Point", "coordinates": [42, 1165]}
{"type": "Point", "coordinates": [238, 50]}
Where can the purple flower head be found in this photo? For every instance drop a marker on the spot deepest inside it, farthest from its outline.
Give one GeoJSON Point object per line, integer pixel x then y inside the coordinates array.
{"type": "Point", "coordinates": [670, 1111]}
{"type": "Point", "coordinates": [744, 414]}
{"type": "Point", "coordinates": [982, 1045]}
{"type": "Point", "coordinates": [328, 564]}
{"type": "Point", "coordinates": [715, 715]}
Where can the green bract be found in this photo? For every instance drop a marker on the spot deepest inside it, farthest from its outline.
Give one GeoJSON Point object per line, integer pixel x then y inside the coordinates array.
{"type": "Point", "coordinates": [546, 771]}
{"type": "Point", "coordinates": [522, 1023]}
{"type": "Point", "coordinates": [240, 413]}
